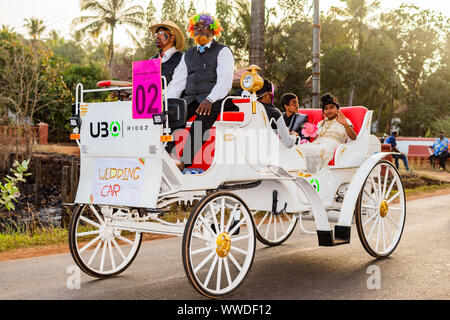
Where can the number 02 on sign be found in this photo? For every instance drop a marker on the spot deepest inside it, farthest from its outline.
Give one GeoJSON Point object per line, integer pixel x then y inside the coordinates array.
{"type": "Point", "coordinates": [146, 88]}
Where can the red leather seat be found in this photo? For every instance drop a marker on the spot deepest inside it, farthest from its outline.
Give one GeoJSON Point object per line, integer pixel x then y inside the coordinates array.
{"type": "Point", "coordinates": [354, 114]}
{"type": "Point", "coordinates": [227, 116]}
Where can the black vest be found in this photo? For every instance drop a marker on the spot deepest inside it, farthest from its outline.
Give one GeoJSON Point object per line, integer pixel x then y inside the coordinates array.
{"type": "Point", "coordinates": [201, 71]}
{"type": "Point", "coordinates": [168, 67]}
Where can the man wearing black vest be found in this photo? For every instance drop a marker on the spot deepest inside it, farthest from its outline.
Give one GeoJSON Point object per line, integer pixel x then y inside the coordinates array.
{"type": "Point", "coordinates": [205, 73]}
{"type": "Point", "coordinates": [170, 41]}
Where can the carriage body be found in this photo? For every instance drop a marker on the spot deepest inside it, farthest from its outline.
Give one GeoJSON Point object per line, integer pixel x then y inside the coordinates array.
{"type": "Point", "coordinates": [128, 179]}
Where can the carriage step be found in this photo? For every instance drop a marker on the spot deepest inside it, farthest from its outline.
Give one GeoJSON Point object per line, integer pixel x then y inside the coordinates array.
{"type": "Point", "coordinates": [341, 236]}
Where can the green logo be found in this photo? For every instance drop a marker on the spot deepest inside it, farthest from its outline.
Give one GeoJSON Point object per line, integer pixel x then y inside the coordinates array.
{"type": "Point", "coordinates": [315, 184]}
{"type": "Point", "coordinates": [114, 128]}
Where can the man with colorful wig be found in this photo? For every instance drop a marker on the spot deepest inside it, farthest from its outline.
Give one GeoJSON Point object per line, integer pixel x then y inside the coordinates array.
{"type": "Point", "coordinates": [205, 73]}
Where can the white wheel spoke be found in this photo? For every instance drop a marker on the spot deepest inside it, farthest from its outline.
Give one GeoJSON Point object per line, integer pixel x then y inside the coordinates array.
{"type": "Point", "coordinates": [368, 207]}
{"type": "Point", "coordinates": [395, 209]}
{"type": "Point", "coordinates": [370, 218]}
{"type": "Point", "coordinates": [118, 249]}
{"type": "Point", "coordinates": [222, 216]}
{"type": "Point", "coordinates": [268, 226]}
{"type": "Point", "coordinates": [392, 220]}
{"type": "Point", "coordinates": [379, 184]}
{"type": "Point", "coordinates": [94, 253]}
{"type": "Point", "coordinates": [235, 262]}
{"type": "Point", "coordinates": [90, 243]}
{"type": "Point", "coordinates": [219, 274]}
{"type": "Point", "coordinates": [237, 226]}
{"type": "Point", "coordinates": [394, 180]}
{"type": "Point", "coordinates": [126, 240]}
{"type": "Point", "coordinates": [201, 237]}
{"type": "Point", "coordinates": [204, 261]}
{"type": "Point", "coordinates": [373, 226]}
{"type": "Point", "coordinates": [95, 224]}
{"type": "Point", "coordinates": [213, 214]}
{"type": "Point", "coordinates": [384, 236]}
{"type": "Point", "coordinates": [113, 261]}
{"type": "Point", "coordinates": [239, 250]}
{"type": "Point", "coordinates": [386, 174]}
{"type": "Point", "coordinates": [375, 189]}
{"type": "Point", "coordinates": [202, 250]}
{"type": "Point", "coordinates": [393, 197]}
{"type": "Point", "coordinates": [208, 227]}
{"type": "Point", "coordinates": [211, 269]}
{"type": "Point", "coordinates": [94, 211]}
{"type": "Point", "coordinates": [227, 270]}
{"type": "Point", "coordinates": [378, 234]}
{"type": "Point", "coordinates": [102, 262]}
{"type": "Point", "coordinates": [282, 225]}
{"type": "Point", "coordinates": [231, 217]}
{"type": "Point", "coordinates": [389, 230]}
{"type": "Point", "coordinates": [264, 218]}
{"type": "Point", "coordinates": [88, 233]}
{"type": "Point", "coordinates": [289, 218]}
{"type": "Point", "coordinates": [274, 227]}
{"type": "Point", "coordinates": [240, 238]}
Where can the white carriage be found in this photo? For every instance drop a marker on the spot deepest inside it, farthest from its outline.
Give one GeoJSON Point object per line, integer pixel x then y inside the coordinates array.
{"type": "Point", "coordinates": [254, 187]}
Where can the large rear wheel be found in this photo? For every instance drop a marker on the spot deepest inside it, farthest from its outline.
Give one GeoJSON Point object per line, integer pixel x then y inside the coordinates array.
{"type": "Point", "coordinates": [381, 210]}
{"type": "Point", "coordinates": [218, 244]}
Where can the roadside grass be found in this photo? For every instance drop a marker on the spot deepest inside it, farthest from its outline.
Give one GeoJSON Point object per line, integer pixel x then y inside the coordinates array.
{"type": "Point", "coordinates": [39, 236]}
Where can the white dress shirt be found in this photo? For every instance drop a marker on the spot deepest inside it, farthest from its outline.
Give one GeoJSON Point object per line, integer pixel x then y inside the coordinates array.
{"type": "Point", "coordinates": [168, 54]}
{"type": "Point", "coordinates": [225, 72]}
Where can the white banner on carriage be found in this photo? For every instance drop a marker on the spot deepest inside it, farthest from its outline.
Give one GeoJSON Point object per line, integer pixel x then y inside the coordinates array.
{"type": "Point", "coordinates": [118, 181]}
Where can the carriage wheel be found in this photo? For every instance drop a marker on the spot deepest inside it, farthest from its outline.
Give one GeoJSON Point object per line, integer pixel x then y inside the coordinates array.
{"type": "Point", "coordinates": [274, 229]}
{"type": "Point", "coordinates": [99, 249]}
{"type": "Point", "coordinates": [381, 210]}
{"type": "Point", "coordinates": [218, 244]}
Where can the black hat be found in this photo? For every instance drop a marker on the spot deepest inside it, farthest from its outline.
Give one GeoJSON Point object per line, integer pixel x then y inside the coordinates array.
{"type": "Point", "coordinates": [327, 99]}
{"type": "Point", "coordinates": [267, 87]}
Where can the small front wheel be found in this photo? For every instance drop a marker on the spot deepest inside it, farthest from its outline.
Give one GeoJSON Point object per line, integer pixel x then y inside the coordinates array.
{"type": "Point", "coordinates": [381, 210]}
{"type": "Point", "coordinates": [274, 229]}
{"type": "Point", "coordinates": [218, 244]}
{"type": "Point", "coordinates": [98, 248]}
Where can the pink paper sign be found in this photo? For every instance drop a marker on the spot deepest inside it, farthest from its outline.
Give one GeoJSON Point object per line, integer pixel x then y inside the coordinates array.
{"type": "Point", "coordinates": [146, 88]}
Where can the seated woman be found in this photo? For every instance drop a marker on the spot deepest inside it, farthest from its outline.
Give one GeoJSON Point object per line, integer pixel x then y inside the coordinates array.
{"type": "Point", "coordinates": [333, 130]}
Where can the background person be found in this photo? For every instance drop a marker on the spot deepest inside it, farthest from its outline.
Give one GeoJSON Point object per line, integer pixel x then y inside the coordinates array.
{"type": "Point", "coordinates": [393, 142]}
{"type": "Point", "coordinates": [440, 151]}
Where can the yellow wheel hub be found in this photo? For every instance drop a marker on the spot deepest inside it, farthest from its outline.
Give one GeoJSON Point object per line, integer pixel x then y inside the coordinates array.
{"type": "Point", "coordinates": [223, 242]}
{"type": "Point", "coordinates": [384, 208]}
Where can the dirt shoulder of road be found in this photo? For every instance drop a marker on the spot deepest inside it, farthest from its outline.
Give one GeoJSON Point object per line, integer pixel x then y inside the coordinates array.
{"type": "Point", "coordinates": [37, 251]}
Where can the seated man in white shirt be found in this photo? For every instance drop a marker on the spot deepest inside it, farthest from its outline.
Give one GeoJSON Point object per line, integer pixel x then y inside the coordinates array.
{"type": "Point", "coordinates": [170, 41]}
{"type": "Point", "coordinates": [205, 73]}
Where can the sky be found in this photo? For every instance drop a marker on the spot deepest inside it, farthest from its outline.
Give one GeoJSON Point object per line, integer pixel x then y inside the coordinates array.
{"type": "Point", "coordinates": [58, 14]}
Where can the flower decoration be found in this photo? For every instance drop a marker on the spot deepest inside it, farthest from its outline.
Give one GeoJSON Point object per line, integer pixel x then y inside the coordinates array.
{"type": "Point", "coordinates": [303, 141]}
{"type": "Point", "coordinates": [309, 130]}
{"type": "Point", "coordinates": [213, 23]}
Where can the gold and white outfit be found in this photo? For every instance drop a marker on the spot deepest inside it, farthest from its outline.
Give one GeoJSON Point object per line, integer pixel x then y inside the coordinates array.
{"type": "Point", "coordinates": [330, 135]}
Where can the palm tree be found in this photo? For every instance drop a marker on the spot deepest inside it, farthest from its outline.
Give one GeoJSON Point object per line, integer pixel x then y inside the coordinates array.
{"type": "Point", "coordinates": [35, 27]}
{"type": "Point", "coordinates": [108, 15]}
{"type": "Point", "coordinates": [357, 13]}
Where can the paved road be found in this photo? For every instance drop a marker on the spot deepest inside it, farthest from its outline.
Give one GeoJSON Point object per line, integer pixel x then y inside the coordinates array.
{"type": "Point", "coordinates": [298, 269]}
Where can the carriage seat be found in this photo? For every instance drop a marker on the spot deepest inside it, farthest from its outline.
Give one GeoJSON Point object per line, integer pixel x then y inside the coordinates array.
{"type": "Point", "coordinates": [355, 114]}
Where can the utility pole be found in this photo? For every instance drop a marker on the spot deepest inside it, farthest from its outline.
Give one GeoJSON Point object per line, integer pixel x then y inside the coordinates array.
{"type": "Point", "coordinates": [316, 57]}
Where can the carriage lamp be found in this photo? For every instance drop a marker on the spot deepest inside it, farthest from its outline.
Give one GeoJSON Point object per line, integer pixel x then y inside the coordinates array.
{"type": "Point", "coordinates": [252, 82]}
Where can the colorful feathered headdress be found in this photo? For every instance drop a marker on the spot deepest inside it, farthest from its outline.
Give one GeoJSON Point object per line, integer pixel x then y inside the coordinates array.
{"type": "Point", "coordinates": [214, 24]}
